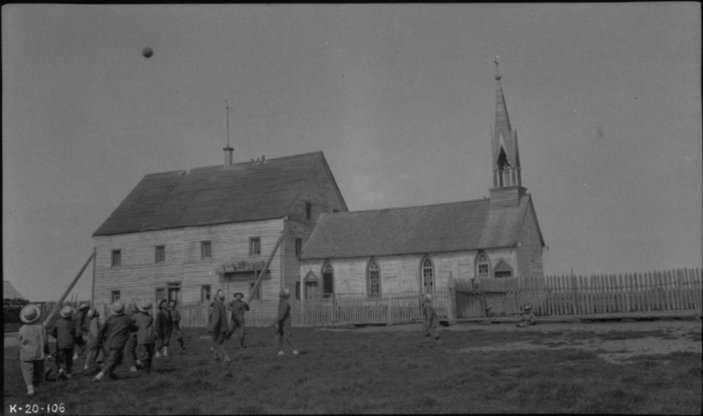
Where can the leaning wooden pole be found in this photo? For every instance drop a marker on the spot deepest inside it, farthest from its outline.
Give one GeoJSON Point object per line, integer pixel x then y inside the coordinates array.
{"type": "Point", "coordinates": [268, 263]}
{"type": "Point", "coordinates": [70, 287]}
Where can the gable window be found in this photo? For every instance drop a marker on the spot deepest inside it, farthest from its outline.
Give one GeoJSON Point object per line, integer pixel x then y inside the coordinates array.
{"type": "Point", "coordinates": [427, 273]}
{"type": "Point", "coordinates": [115, 295]}
{"type": "Point", "coordinates": [327, 280]}
{"type": "Point", "coordinates": [204, 293]}
{"type": "Point", "coordinates": [308, 210]}
{"type": "Point", "coordinates": [373, 280]}
{"type": "Point", "coordinates": [254, 245]}
{"type": "Point", "coordinates": [205, 250]}
{"type": "Point", "coordinates": [482, 265]}
{"type": "Point", "coordinates": [159, 254]}
{"type": "Point", "coordinates": [298, 246]}
{"type": "Point", "coordinates": [116, 260]}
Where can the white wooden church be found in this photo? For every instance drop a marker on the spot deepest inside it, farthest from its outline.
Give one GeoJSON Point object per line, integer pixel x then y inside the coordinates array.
{"type": "Point", "coordinates": [384, 251]}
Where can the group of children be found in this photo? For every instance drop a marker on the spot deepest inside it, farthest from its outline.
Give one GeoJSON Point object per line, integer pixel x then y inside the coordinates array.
{"type": "Point", "coordinates": [130, 329]}
{"type": "Point", "coordinates": [142, 335]}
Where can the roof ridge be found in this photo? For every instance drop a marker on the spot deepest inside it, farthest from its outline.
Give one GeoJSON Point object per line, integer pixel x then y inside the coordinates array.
{"type": "Point", "coordinates": [413, 206]}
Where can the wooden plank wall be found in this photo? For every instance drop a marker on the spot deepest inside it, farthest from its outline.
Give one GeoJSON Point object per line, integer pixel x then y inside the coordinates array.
{"type": "Point", "coordinates": [655, 291]}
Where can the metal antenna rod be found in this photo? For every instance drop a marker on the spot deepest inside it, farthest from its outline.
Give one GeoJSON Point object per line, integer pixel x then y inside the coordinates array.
{"type": "Point", "coordinates": [227, 110]}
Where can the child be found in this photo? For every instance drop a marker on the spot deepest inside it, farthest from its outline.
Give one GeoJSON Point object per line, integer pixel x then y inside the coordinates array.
{"type": "Point", "coordinates": [145, 334]}
{"type": "Point", "coordinates": [163, 326]}
{"type": "Point", "coordinates": [94, 347]}
{"type": "Point", "coordinates": [430, 325]}
{"type": "Point", "coordinates": [176, 319]}
{"type": "Point", "coordinates": [33, 347]}
{"type": "Point", "coordinates": [79, 319]}
{"type": "Point", "coordinates": [218, 327]}
{"type": "Point", "coordinates": [527, 318]}
{"type": "Point", "coordinates": [65, 333]}
{"type": "Point", "coordinates": [283, 321]}
{"type": "Point", "coordinates": [114, 333]}
{"type": "Point", "coordinates": [131, 344]}
{"type": "Point", "coordinates": [238, 307]}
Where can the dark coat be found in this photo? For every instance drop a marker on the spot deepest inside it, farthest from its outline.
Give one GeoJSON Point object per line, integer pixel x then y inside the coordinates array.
{"type": "Point", "coordinates": [116, 330]}
{"type": "Point", "coordinates": [81, 322]}
{"type": "Point", "coordinates": [163, 323]}
{"type": "Point", "coordinates": [64, 332]}
{"type": "Point", "coordinates": [238, 307]}
{"type": "Point", "coordinates": [145, 327]}
{"type": "Point", "coordinates": [218, 318]}
{"type": "Point", "coordinates": [283, 313]}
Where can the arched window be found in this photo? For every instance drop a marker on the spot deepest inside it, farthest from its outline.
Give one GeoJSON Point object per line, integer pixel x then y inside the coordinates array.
{"type": "Point", "coordinates": [327, 280]}
{"type": "Point", "coordinates": [482, 265]}
{"type": "Point", "coordinates": [427, 275]}
{"type": "Point", "coordinates": [373, 280]}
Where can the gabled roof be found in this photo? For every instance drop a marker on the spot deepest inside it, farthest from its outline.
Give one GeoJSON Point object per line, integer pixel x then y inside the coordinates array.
{"type": "Point", "coordinates": [221, 194]}
{"type": "Point", "coordinates": [457, 226]}
{"type": "Point", "coordinates": [9, 291]}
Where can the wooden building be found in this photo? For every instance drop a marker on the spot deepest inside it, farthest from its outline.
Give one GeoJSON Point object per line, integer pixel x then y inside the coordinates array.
{"type": "Point", "coordinates": [184, 234]}
{"type": "Point", "coordinates": [386, 251]}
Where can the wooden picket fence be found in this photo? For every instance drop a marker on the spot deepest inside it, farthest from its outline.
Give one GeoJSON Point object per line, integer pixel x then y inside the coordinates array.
{"type": "Point", "coordinates": [339, 310]}
{"type": "Point", "coordinates": [651, 293]}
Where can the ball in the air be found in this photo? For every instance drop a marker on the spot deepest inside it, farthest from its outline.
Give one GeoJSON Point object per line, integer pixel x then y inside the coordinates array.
{"type": "Point", "coordinates": [147, 52]}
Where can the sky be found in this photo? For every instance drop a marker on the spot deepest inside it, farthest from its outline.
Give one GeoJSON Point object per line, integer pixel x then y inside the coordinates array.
{"type": "Point", "coordinates": [400, 98]}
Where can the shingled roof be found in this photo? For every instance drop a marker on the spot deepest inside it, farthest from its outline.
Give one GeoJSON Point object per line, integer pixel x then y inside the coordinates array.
{"type": "Point", "coordinates": [212, 195]}
{"type": "Point", "coordinates": [9, 291]}
{"type": "Point", "coordinates": [456, 226]}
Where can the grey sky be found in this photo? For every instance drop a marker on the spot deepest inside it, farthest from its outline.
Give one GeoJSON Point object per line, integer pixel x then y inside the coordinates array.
{"type": "Point", "coordinates": [400, 98]}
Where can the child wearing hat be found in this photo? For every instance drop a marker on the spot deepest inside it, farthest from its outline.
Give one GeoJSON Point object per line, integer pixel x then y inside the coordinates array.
{"type": "Point", "coordinates": [144, 323]}
{"type": "Point", "coordinates": [237, 307]}
{"type": "Point", "coordinates": [431, 318]}
{"type": "Point", "coordinates": [163, 327]}
{"type": "Point", "coordinates": [94, 348]}
{"type": "Point", "coordinates": [115, 333]}
{"type": "Point", "coordinates": [65, 333]}
{"type": "Point", "coordinates": [176, 320]}
{"type": "Point", "coordinates": [33, 347]}
{"type": "Point", "coordinates": [283, 322]}
{"type": "Point", "coordinates": [218, 327]}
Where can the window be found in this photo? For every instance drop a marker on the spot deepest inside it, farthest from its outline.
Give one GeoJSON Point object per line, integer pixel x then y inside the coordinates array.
{"type": "Point", "coordinates": [204, 293]}
{"type": "Point", "coordinates": [254, 245]}
{"type": "Point", "coordinates": [205, 250]}
{"type": "Point", "coordinates": [297, 290]}
{"type": "Point", "coordinates": [115, 295]}
{"type": "Point", "coordinates": [503, 273]}
{"type": "Point", "coordinates": [160, 294]}
{"type": "Point", "coordinates": [373, 280]}
{"type": "Point", "coordinates": [298, 246]}
{"type": "Point", "coordinates": [256, 294]}
{"type": "Point", "coordinates": [482, 265]}
{"type": "Point", "coordinates": [427, 273]}
{"type": "Point", "coordinates": [327, 280]}
{"type": "Point", "coordinates": [159, 254]}
{"type": "Point", "coordinates": [308, 210]}
{"type": "Point", "coordinates": [116, 258]}
{"type": "Point", "coordinates": [174, 292]}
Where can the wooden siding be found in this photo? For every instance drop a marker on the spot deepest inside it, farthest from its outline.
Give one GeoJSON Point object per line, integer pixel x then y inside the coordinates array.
{"type": "Point", "coordinates": [139, 275]}
{"type": "Point", "coordinates": [530, 251]}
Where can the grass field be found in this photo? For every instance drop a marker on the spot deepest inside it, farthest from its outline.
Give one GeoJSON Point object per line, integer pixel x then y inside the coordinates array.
{"type": "Point", "coordinates": [475, 369]}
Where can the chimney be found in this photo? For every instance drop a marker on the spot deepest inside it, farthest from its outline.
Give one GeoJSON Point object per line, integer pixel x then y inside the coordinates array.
{"type": "Point", "coordinates": [228, 155]}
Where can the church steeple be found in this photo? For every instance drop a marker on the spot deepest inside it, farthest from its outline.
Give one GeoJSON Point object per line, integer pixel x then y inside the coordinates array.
{"type": "Point", "coordinates": [506, 159]}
